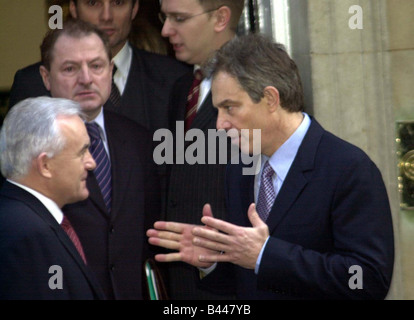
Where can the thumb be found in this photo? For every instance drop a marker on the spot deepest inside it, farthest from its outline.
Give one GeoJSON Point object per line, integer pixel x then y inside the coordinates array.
{"type": "Point", "coordinates": [207, 212]}
{"type": "Point", "coordinates": [254, 217]}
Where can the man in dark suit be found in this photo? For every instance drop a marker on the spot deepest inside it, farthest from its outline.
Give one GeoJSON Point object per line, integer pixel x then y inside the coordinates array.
{"type": "Point", "coordinates": [44, 156]}
{"type": "Point", "coordinates": [143, 79]}
{"type": "Point", "coordinates": [76, 64]}
{"type": "Point", "coordinates": [315, 221]}
{"type": "Point", "coordinates": [195, 29]}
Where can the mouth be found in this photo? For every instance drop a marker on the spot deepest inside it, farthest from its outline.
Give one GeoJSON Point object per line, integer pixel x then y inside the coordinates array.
{"type": "Point", "coordinates": [177, 46]}
{"type": "Point", "coordinates": [109, 31]}
{"type": "Point", "coordinates": [86, 94]}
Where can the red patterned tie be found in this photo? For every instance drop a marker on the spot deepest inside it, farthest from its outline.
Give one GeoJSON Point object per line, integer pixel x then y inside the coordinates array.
{"type": "Point", "coordinates": [192, 99]}
{"type": "Point", "coordinates": [73, 236]}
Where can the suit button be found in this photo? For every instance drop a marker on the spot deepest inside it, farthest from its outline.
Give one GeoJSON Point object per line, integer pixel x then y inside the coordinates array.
{"type": "Point", "coordinates": [112, 267]}
{"type": "Point", "coordinates": [111, 230]}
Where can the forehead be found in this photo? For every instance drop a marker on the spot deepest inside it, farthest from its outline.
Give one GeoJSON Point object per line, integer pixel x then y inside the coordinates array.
{"type": "Point", "coordinates": [177, 6]}
{"type": "Point", "coordinates": [225, 87]}
{"type": "Point", "coordinates": [84, 46]}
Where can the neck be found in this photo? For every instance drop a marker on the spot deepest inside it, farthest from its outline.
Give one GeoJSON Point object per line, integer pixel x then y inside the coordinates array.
{"type": "Point", "coordinates": [284, 126]}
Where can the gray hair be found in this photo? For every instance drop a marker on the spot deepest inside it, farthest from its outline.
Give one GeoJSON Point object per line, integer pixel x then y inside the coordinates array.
{"type": "Point", "coordinates": [257, 62]}
{"type": "Point", "coordinates": [29, 129]}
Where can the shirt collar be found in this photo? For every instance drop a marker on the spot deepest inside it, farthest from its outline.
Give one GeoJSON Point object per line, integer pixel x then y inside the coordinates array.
{"type": "Point", "coordinates": [123, 60]}
{"type": "Point", "coordinates": [283, 158]}
{"type": "Point", "coordinates": [50, 205]}
{"type": "Point", "coordinates": [100, 121]}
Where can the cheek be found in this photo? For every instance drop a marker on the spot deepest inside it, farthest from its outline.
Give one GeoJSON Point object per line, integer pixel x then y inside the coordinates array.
{"type": "Point", "coordinates": [62, 87]}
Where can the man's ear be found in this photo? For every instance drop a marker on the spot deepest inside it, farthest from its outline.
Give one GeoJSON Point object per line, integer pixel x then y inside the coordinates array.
{"type": "Point", "coordinates": [42, 163]}
{"type": "Point", "coordinates": [135, 9]}
{"type": "Point", "coordinates": [271, 94]}
{"type": "Point", "coordinates": [72, 9]}
{"type": "Point", "coordinates": [223, 15]}
{"type": "Point", "coordinates": [45, 76]}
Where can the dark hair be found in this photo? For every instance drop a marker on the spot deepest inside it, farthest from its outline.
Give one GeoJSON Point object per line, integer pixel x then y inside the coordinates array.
{"type": "Point", "coordinates": [236, 7]}
{"type": "Point", "coordinates": [257, 62]}
{"type": "Point", "coordinates": [73, 28]}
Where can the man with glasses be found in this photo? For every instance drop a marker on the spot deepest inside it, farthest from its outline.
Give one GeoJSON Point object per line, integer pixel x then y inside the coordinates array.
{"type": "Point", "coordinates": [196, 29]}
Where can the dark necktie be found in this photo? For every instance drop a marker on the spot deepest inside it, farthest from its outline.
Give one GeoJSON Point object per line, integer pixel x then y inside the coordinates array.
{"type": "Point", "coordinates": [103, 165]}
{"type": "Point", "coordinates": [66, 225]}
{"type": "Point", "coordinates": [115, 96]}
{"type": "Point", "coordinates": [192, 100]}
{"type": "Point", "coordinates": [267, 192]}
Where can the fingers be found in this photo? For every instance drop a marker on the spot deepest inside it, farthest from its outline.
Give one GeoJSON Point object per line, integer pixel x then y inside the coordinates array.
{"type": "Point", "coordinates": [207, 212]}
{"type": "Point", "coordinates": [171, 226]}
{"type": "Point", "coordinates": [218, 224]}
{"type": "Point", "coordinates": [212, 258]}
{"type": "Point", "coordinates": [169, 257]}
{"type": "Point", "coordinates": [254, 217]}
{"type": "Point", "coordinates": [214, 245]}
{"type": "Point", "coordinates": [167, 244]}
{"type": "Point", "coordinates": [167, 235]}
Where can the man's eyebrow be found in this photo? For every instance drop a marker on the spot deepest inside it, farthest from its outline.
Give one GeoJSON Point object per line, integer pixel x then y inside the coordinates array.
{"type": "Point", "coordinates": [84, 148]}
{"type": "Point", "coordinates": [225, 102]}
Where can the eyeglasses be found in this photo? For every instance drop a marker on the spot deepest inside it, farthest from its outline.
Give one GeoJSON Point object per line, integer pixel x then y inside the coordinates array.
{"type": "Point", "coordinates": [178, 18]}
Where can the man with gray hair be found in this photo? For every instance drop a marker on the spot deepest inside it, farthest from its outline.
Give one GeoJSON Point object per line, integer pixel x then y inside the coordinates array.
{"type": "Point", "coordinates": [45, 158]}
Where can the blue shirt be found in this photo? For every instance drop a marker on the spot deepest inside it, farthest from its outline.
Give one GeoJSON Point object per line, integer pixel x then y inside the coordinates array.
{"type": "Point", "coordinates": [280, 162]}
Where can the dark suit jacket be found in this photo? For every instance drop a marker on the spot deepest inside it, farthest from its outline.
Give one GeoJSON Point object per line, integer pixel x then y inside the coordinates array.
{"type": "Point", "coordinates": [190, 187]}
{"type": "Point", "coordinates": [331, 213]}
{"type": "Point", "coordinates": [32, 241]}
{"type": "Point", "coordinates": [115, 244]}
{"type": "Point", "coordinates": [146, 94]}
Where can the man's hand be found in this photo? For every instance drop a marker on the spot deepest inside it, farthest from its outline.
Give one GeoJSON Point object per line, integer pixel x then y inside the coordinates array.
{"type": "Point", "coordinates": [235, 244]}
{"type": "Point", "coordinates": [179, 237]}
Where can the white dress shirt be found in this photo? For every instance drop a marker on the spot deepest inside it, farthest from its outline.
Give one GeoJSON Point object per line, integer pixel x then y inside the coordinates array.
{"type": "Point", "coordinates": [205, 87]}
{"type": "Point", "coordinates": [122, 61]}
{"type": "Point", "coordinates": [101, 124]}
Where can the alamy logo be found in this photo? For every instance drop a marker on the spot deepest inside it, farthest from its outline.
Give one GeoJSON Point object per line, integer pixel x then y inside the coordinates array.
{"type": "Point", "coordinates": [355, 281]}
{"type": "Point", "coordinates": [198, 152]}
{"type": "Point", "coordinates": [56, 281]}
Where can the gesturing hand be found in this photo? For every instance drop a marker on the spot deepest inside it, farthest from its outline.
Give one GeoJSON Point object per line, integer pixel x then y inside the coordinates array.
{"type": "Point", "coordinates": [235, 244]}
{"type": "Point", "coordinates": [179, 237]}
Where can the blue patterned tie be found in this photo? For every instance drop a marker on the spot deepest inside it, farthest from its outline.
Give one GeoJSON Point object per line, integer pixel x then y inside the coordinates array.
{"type": "Point", "coordinates": [103, 165]}
{"type": "Point", "coordinates": [267, 192]}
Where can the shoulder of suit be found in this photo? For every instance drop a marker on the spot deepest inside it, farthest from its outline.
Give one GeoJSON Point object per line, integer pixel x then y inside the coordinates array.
{"type": "Point", "coordinates": [121, 121]}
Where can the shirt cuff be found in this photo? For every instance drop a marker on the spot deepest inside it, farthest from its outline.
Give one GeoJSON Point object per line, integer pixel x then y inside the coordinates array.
{"type": "Point", "coordinates": [259, 258]}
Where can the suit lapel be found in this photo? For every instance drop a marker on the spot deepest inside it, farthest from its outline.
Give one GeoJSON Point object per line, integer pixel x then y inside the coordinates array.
{"type": "Point", "coordinates": [134, 88]}
{"type": "Point", "coordinates": [95, 194]}
{"type": "Point", "coordinates": [205, 115]}
{"type": "Point", "coordinates": [120, 168]}
{"type": "Point", "coordinates": [133, 100]}
{"type": "Point", "coordinates": [298, 175]}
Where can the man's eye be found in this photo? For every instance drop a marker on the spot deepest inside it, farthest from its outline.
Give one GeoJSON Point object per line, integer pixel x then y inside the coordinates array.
{"type": "Point", "coordinates": [91, 3]}
{"type": "Point", "coordinates": [179, 19]}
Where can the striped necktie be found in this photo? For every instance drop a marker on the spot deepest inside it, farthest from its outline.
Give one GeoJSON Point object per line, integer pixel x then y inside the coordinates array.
{"type": "Point", "coordinates": [192, 100]}
{"type": "Point", "coordinates": [115, 96]}
{"type": "Point", "coordinates": [267, 192]}
{"type": "Point", "coordinates": [73, 236]}
{"type": "Point", "coordinates": [103, 165]}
